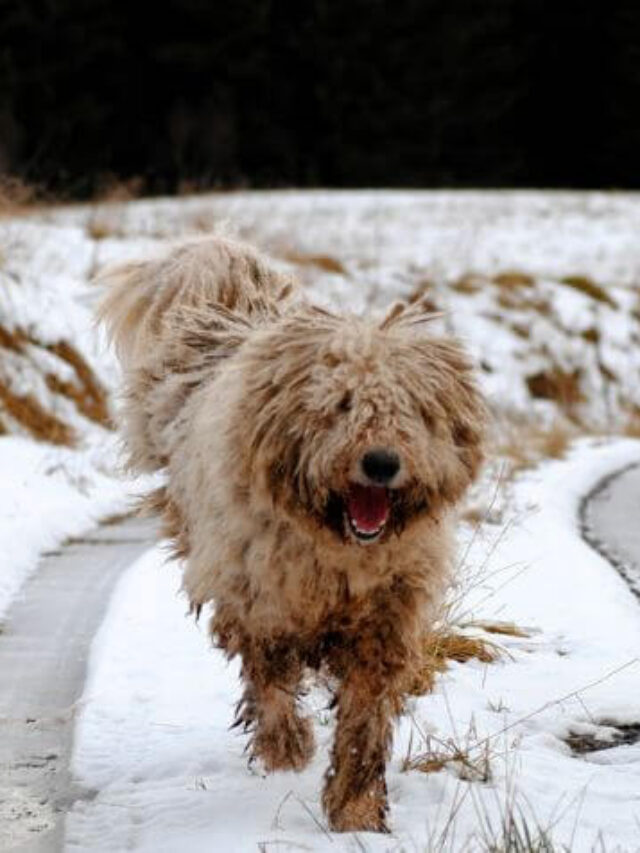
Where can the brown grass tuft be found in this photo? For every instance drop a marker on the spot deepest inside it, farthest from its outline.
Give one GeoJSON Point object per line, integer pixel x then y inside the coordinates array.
{"type": "Point", "coordinates": [439, 648]}
{"type": "Point", "coordinates": [525, 445]}
{"type": "Point", "coordinates": [586, 285]}
{"type": "Point", "coordinates": [591, 335]}
{"type": "Point", "coordinates": [561, 386]}
{"type": "Point", "coordinates": [117, 517]}
{"type": "Point", "coordinates": [323, 262]}
{"type": "Point", "coordinates": [506, 629]}
{"type": "Point", "coordinates": [553, 443]}
{"type": "Point", "coordinates": [28, 412]}
{"type": "Point", "coordinates": [631, 426]}
{"type": "Point", "coordinates": [468, 283]}
{"type": "Point", "coordinates": [12, 339]}
{"type": "Point", "coordinates": [88, 395]}
{"type": "Point", "coordinates": [100, 229]}
{"type": "Point", "coordinates": [513, 279]}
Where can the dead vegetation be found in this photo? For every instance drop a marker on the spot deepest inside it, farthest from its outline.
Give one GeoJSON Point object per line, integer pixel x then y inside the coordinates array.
{"type": "Point", "coordinates": [468, 284]}
{"type": "Point", "coordinates": [631, 424]}
{"type": "Point", "coordinates": [30, 414]}
{"type": "Point", "coordinates": [86, 392]}
{"type": "Point", "coordinates": [511, 279]}
{"type": "Point", "coordinates": [584, 284]}
{"type": "Point", "coordinates": [327, 263]}
{"type": "Point", "coordinates": [441, 647]}
{"type": "Point", "coordinates": [525, 445]}
{"type": "Point", "coordinates": [559, 385]}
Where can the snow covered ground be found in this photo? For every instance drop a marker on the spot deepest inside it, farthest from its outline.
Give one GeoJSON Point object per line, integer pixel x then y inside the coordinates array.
{"type": "Point", "coordinates": [545, 289]}
{"type": "Point", "coordinates": [153, 737]}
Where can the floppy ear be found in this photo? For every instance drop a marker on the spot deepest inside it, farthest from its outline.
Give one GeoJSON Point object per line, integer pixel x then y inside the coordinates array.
{"type": "Point", "coordinates": [464, 413]}
{"type": "Point", "coordinates": [442, 380]}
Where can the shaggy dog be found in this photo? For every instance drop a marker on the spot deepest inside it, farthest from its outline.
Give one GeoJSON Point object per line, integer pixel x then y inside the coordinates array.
{"type": "Point", "coordinates": [311, 463]}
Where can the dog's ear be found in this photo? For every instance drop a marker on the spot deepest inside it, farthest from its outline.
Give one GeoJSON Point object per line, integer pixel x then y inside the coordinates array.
{"type": "Point", "coordinates": [443, 380]}
{"type": "Point", "coordinates": [463, 414]}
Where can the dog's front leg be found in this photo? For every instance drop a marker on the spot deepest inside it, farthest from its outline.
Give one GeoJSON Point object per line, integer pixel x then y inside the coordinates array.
{"type": "Point", "coordinates": [281, 739]}
{"type": "Point", "coordinates": [355, 794]}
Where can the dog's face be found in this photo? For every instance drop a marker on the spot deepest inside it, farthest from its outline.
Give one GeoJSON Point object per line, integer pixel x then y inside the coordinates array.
{"type": "Point", "coordinates": [358, 428]}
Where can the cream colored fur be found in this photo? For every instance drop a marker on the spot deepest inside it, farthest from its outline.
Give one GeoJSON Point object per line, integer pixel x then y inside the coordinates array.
{"type": "Point", "coordinates": [259, 408]}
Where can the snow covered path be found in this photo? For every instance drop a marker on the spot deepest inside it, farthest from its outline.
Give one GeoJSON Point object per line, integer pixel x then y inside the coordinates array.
{"type": "Point", "coordinates": [611, 521]}
{"type": "Point", "coordinates": [152, 739]}
{"type": "Point", "coordinates": [45, 642]}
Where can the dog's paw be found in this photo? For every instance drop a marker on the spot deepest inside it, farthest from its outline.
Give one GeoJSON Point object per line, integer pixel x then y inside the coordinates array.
{"type": "Point", "coordinates": [288, 746]}
{"type": "Point", "coordinates": [365, 813]}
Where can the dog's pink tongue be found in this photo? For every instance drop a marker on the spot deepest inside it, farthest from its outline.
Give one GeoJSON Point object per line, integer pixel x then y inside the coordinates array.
{"type": "Point", "coordinates": [368, 507]}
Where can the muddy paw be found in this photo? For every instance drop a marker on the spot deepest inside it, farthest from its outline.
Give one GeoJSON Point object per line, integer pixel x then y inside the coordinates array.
{"type": "Point", "coordinates": [365, 813]}
{"type": "Point", "coordinates": [286, 746]}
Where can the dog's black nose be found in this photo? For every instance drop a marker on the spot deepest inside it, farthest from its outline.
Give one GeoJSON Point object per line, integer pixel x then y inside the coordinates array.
{"type": "Point", "coordinates": [380, 465]}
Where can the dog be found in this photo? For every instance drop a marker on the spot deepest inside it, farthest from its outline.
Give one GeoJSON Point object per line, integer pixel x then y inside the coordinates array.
{"type": "Point", "coordinates": [311, 464]}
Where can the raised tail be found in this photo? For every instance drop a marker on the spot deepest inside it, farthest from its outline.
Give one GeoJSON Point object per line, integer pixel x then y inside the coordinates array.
{"type": "Point", "coordinates": [173, 320]}
{"type": "Point", "coordinates": [146, 302]}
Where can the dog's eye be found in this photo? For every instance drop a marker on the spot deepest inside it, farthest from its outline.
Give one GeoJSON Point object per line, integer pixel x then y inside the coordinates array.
{"type": "Point", "coordinates": [345, 403]}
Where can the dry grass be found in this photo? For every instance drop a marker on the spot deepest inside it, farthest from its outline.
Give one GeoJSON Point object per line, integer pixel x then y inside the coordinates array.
{"type": "Point", "coordinates": [588, 287]}
{"type": "Point", "coordinates": [521, 299]}
{"type": "Point", "coordinates": [30, 414]}
{"type": "Point", "coordinates": [323, 262]}
{"type": "Point", "coordinates": [553, 443]}
{"type": "Point", "coordinates": [522, 330]}
{"type": "Point", "coordinates": [12, 339]}
{"type": "Point", "coordinates": [591, 335]}
{"type": "Point", "coordinates": [559, 385]}
{"type": "Point", "coordinates": [100, 228]}
{"type": "Point", "coordinates": [631, 424]}
{"type": "Point", "coordinates": [468, 284]}
{"type": "Point", "coordinates": [88, 395]}
{"type": "Point", "coordinates": [441, 647]}
{"type": "Point", "coordinates": [118, 518]}
{"type": "Point", "coordinates": [505, 629]}
{"type": "Point", "coordinates": [525, 445]}
{"type": "Point", "coordinates": [511, 279]}
{"type": "Point", "coordinates": [474, 515]}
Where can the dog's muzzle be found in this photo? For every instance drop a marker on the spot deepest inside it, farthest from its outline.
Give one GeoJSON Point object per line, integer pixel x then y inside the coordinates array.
{"type": "Point", "coordinates": [368, 502]}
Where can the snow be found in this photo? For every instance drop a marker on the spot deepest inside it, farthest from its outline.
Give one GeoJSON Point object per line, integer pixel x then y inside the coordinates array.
{"type": "Point", "coordinates": [46, 495]}
{"type": "Point", "coordinates": [152, 742]}
{"type": "Point", "coordinates": [153, 739]}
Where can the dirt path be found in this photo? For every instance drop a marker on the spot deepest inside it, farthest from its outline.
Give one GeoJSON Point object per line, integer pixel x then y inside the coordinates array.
{"type": "Point", "coordinates": [611, 522]}
{"type": "Point", "coordinates": [45, 641]}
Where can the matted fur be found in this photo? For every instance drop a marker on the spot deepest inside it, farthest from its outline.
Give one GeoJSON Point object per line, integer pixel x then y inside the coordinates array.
{"type": "Point", "coordinates": [260, 408]}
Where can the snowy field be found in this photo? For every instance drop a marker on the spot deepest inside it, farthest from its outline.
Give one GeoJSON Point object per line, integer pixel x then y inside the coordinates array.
{"type": "Point", "coordinates": [545, 290]}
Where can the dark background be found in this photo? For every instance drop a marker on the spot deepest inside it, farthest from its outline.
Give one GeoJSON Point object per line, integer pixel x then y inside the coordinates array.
{"type": "Point", "coordinates": [265, 93]}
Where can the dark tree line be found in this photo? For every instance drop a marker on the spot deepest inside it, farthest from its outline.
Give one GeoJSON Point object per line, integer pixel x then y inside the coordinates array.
{"type": "Point", "coordinates": [320, 92]}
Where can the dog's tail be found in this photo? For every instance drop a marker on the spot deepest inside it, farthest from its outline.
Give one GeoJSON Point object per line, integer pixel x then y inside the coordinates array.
{"type": "Point", "coordinates": [148, 302]}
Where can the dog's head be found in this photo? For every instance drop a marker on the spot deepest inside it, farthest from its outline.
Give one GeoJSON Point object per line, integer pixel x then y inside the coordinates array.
{"type": "Point", "coordinates": [357, 427]}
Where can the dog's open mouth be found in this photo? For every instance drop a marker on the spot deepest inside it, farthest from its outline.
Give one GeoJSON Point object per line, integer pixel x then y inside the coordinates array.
{"type": "Point", "coordinates": [367, 510]}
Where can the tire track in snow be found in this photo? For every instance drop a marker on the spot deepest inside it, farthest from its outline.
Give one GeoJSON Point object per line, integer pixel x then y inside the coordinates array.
{"type": "Point", "coordinates": [610, 522]}
{"type": "Point", "coordinates": [45, 640]}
